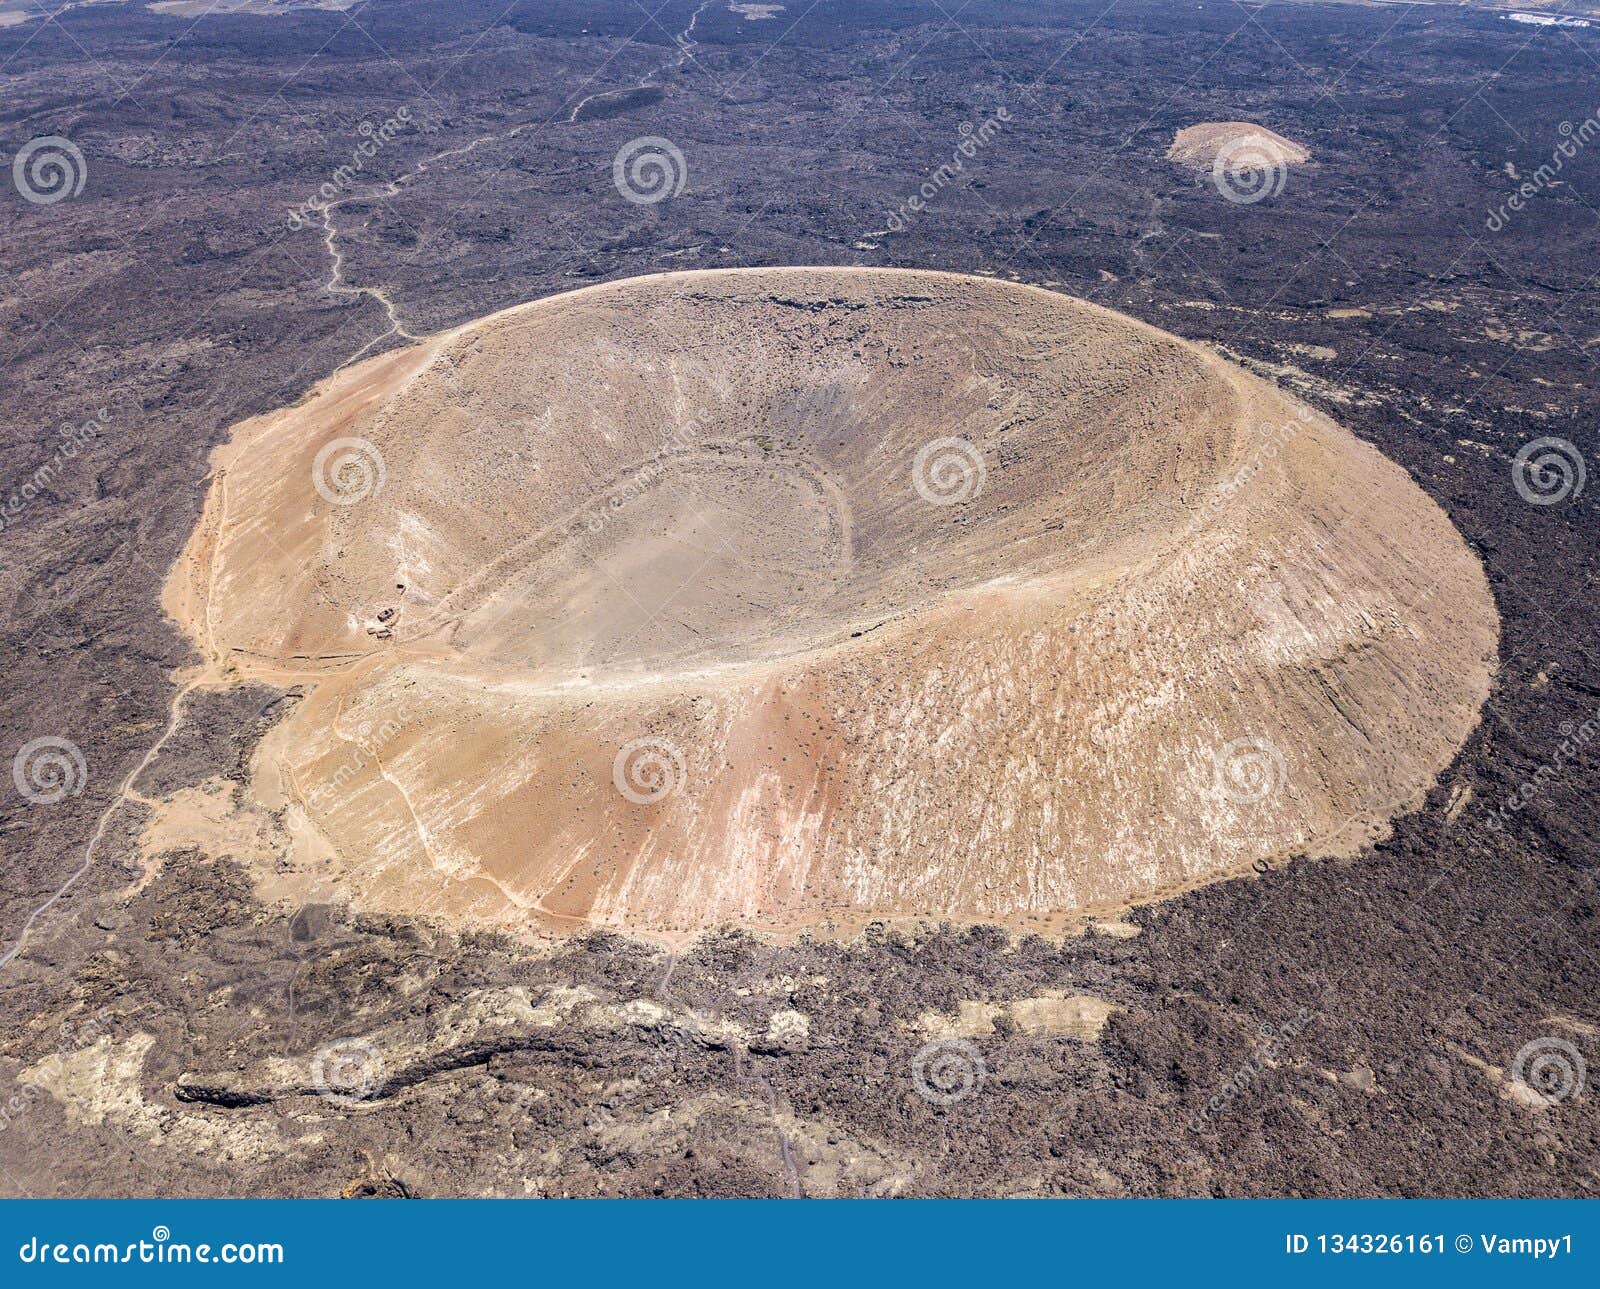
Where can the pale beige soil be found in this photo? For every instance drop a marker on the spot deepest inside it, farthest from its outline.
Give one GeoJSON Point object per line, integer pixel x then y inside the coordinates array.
{"type": "Point", "coordinates": [263, 8]}
{"type": "Point", "coordinates": [1201, 145]}
{"type": "Point", "coordinates": [682, 508]}
{"type": "Point", "coordinates": [1079, 1016]}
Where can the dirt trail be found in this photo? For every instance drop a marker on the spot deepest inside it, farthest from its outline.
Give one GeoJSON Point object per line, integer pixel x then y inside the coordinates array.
{"type": "Point", "coordinates": [683, 42]}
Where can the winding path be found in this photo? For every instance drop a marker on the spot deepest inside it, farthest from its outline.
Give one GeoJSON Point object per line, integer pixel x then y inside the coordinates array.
{"type": "Point", "coordinates": [336, 284]}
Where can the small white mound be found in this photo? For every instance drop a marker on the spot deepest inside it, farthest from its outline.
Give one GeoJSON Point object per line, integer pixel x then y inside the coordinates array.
{"type": "Point", "coordinates": [1201, 146]}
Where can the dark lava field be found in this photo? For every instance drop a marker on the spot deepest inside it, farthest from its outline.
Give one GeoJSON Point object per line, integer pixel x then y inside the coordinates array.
{"type": "Point", "coordinates": [252, 201]}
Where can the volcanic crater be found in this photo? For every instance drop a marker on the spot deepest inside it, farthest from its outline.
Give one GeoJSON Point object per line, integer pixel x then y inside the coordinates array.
{"type": "Point", "coordinates": [798, 597]}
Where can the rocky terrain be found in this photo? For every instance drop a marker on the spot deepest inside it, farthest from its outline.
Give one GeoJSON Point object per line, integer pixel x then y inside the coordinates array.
{"type": "Point", "coordinates": [251, 203]}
